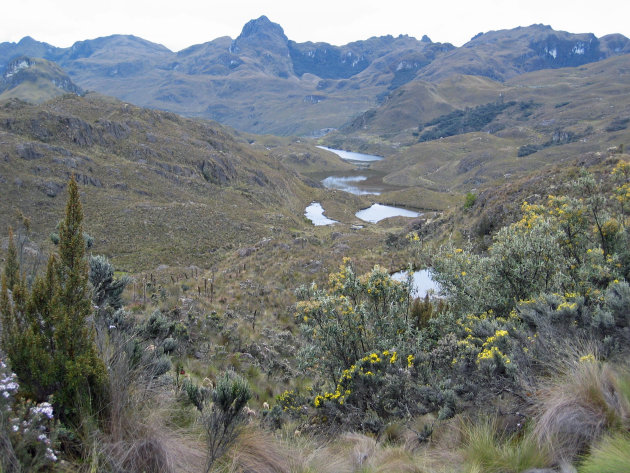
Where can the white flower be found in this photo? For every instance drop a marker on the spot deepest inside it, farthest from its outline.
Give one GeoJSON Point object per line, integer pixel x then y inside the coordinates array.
{"type": "Point", "coordinates": [44, 408]}
{"type": "Point", "coordinates": [51, 455]}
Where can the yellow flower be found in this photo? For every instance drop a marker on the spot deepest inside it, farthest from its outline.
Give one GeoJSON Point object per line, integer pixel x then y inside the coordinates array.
{"type": "Point", "coordinates": [587, 358]}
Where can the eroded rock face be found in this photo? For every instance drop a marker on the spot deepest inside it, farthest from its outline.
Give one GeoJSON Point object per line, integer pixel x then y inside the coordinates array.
{"type": "Point", "coordinates": [554, 52]}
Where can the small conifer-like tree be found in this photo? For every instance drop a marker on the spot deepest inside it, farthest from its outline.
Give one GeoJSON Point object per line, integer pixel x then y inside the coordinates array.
{"type": "Point", "coordinates": [46, 333]}
{"type": "Point", "coordinates": [82, 372]}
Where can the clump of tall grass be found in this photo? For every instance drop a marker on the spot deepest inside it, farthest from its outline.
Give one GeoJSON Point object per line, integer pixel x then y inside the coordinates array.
{"type": "Point", "coordinates": [256, 451]}
{"type": "Point", "coordinates": [575, 410]}
{"type": "Point", "coordinates": [354, 452]}
{"type": "Point", "coordinates": [138, 435]}
{"type": "Point", "coordinates": [487, 450]}
{"type": "Point", "coordinates": [611, 455]}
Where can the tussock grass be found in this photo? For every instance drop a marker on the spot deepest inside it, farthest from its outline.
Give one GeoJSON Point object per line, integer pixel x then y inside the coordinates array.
{"type": "Point", "coordinates": [354, 452]}
{"type": "Point", "coordinates": [611, 455]}
{"type": "Point", "coordinates": [256, 451]}
{"type": "Point", "coordinates": [488, 451]}
{"type": "Point", "coordinates": [579, 407]}
{"type": "Point", "coordinates": [139, 436]}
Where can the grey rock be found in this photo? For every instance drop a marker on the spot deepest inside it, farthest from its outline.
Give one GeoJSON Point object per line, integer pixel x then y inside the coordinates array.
{"type": "Point", "coordinates": [28, 151]}
{"type": "Point", "coordinates": [51, 188]}
{"type": "Point", "coordinates": [243, 252]}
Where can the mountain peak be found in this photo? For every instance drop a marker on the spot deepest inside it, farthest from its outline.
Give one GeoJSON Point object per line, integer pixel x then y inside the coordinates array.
{"type": "Point", "coordinates": [263, 38]}
{"type": "Point", "coordinates": [262, 28]}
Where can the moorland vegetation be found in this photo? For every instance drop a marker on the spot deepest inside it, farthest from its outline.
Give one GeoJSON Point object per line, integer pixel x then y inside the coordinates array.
{"type": "Point", "coordinates": [519, 365]}
{"type": "Point", "coordinates": [183, 315]}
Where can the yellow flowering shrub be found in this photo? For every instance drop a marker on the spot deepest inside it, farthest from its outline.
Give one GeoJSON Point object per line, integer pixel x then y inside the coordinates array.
{"type": "Point", "coordinates": [355, 319]}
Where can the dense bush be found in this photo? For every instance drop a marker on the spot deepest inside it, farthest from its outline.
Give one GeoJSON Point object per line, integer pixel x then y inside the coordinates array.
{"type": "Point", "coordinates": [557, 274]}
{"type": "Point", "coordinates": [354, 316]}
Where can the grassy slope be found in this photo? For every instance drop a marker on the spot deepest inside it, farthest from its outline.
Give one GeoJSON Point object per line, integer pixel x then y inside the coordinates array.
{"type": "Point", "coordinates": [584, 101]}
{"type": "Point", "coordinates": [146, 199]}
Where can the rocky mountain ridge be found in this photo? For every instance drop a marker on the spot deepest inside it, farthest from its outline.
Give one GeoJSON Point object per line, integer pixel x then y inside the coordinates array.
{"type": "Point", "coordinates": [264, 82]}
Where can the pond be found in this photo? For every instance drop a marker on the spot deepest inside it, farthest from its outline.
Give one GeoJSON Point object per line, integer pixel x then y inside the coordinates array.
{"type": "Point", "coordinates": [421, 282]}
{"type": "Point", "coordinates": [378, 212]}
{"type": "Point", "coordinates": [315, 213]}
{"type": "Point", "coordinates": [352, 156]}
{"type": "Point", "coordinates": [360, 181]}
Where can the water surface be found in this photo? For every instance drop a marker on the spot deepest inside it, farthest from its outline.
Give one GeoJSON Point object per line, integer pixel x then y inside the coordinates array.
{"type": "Point", "coordinates": [315, 213]}
{"type": "Point", "coordinates": [378, 212]}
{"type": "Point", "coordinates": [421, 282]}
{"type": "Point", "coordinates": [352, 156]}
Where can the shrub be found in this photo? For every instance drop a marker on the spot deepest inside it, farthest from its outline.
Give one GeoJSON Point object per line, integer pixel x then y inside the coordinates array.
{"type": "Point", "coordinates": [46, 335]}
{"type": "Point", "coordinates": [225, 416]}
{"type": "Point", "coordinates": [355, 316]}
{"type": "Point", "coordinates": [169, 345]}
{"type": "Point", "coordinates": [470, 200]}
{"type": "Point", "coordinates": [106, 290]}
{"type": "Point", "coordinates": [196, 396]}
{"type": "Point", "coordinates": [27, 429]}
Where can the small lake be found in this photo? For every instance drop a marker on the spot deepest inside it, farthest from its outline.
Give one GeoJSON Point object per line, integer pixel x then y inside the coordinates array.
{"type": "Point", "coordinates": [315, 213]}
{"type": "Point", "coordinates": [421, 282]}
{"type": "Point", "coordinates": [360, 181]}
{"type": "Point", "coordinates": [378, 212]}
{"type": "Point", "coordinates": [352, 156]}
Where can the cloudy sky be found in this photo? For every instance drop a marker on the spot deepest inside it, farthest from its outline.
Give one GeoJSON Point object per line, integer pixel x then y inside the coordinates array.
{"type": "Point", "coordinates": [182, 23]}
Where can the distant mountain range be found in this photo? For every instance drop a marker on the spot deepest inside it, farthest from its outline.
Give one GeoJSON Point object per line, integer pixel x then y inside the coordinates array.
{"type": "Point", "coordinates": [263, 82]}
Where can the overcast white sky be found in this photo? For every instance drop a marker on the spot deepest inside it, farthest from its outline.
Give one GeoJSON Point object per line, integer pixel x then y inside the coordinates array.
{"type": "Point", "coordinates": [182, 23]}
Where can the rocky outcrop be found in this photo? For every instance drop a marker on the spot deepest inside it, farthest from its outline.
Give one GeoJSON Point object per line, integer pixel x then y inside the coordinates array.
{"type": "Point", "coordinates": [37, 71]}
